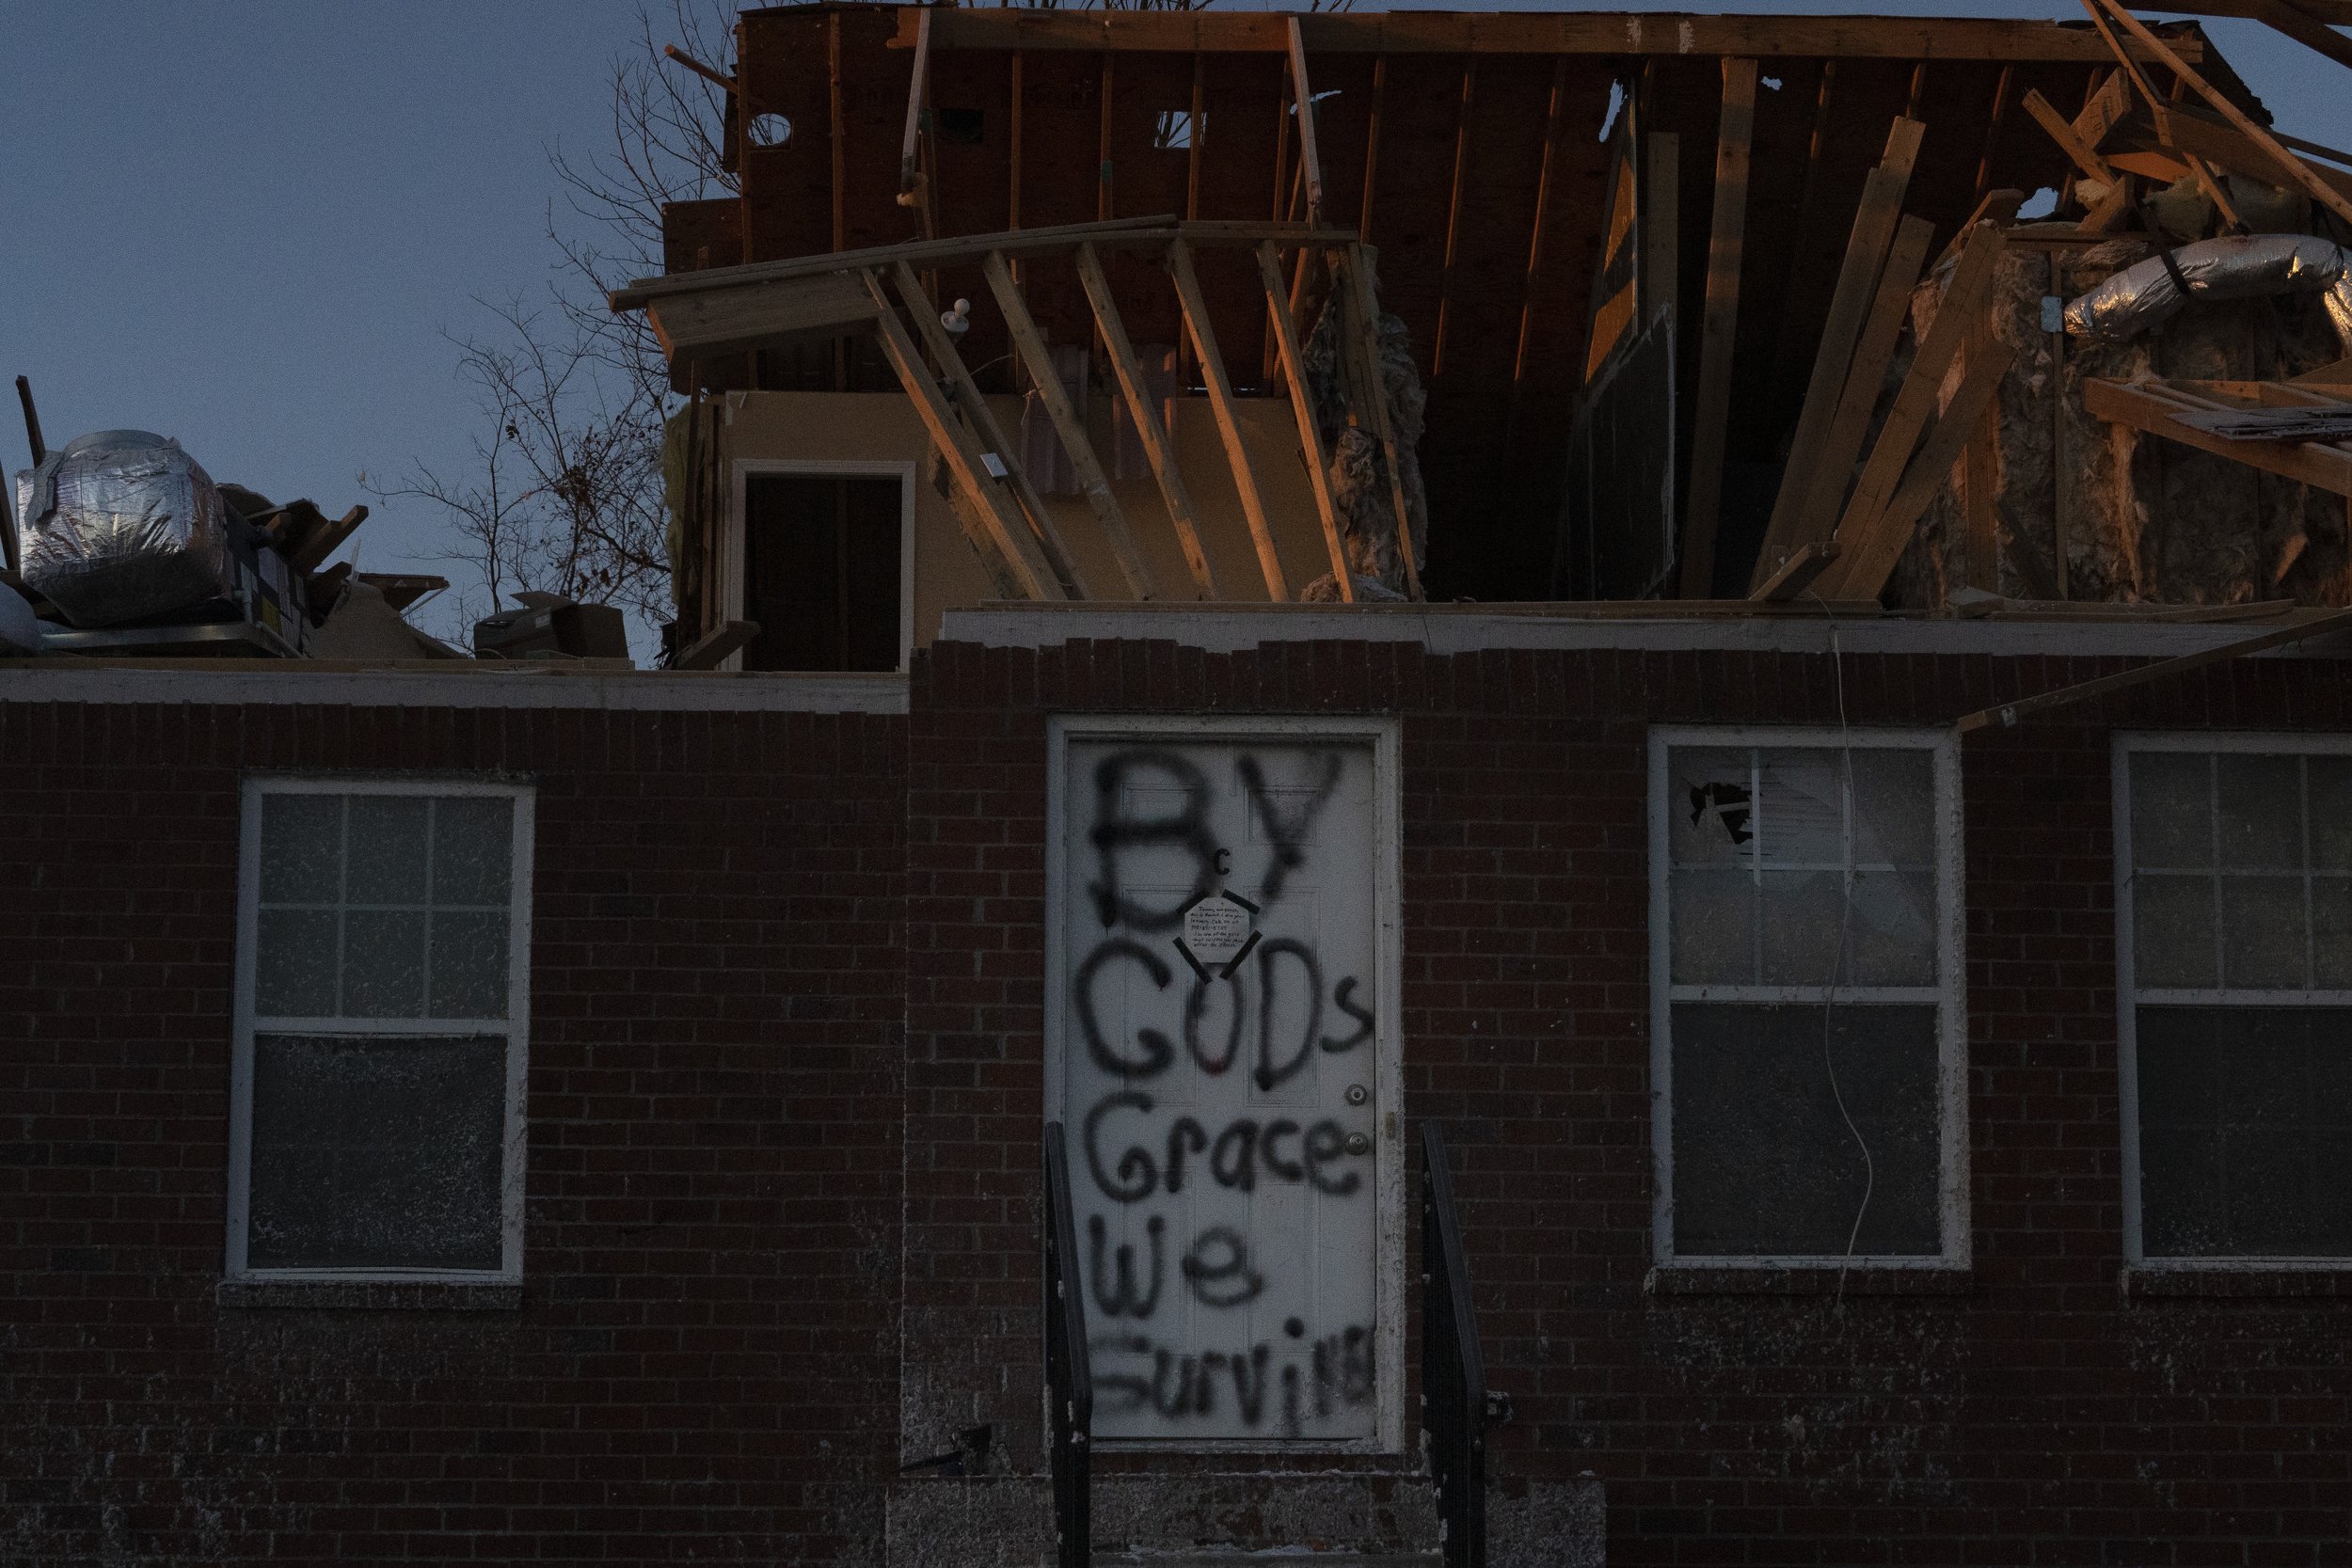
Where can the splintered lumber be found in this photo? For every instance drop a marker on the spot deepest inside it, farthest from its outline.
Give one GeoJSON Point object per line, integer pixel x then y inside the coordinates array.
{"type": "Point", "coordinates": [1362, 314]}
{"type": "Point", "coordinates": [1850, 427]}
{"type": "Point", "coordinates": [1956, 321]}
{"type": "Point", "coordinates": [1718, 330]}
{"type": "Point", "coordinates": [2063, 132]}
{"type": "Point", "coordinates": [1870, 555]}
{"type": "Point", "coordinates": [1030, 344]}
{"type": "Point", "coordinates": [1310, 439]}
{"type": "Point", "coordinates": [2320, 190]}
{"type": "Point", "coordinates": [2009, 713]}
{"type": "Point", "coordinates": [920, 78]}
{"type": "Point", "coordinates": [2155, 407]}
{"type": "Point", "coordinates": [2189, 132]}
{"type": "Point", "coordinates": [1996, 206]}
{"type": "Point", "coordinates": [1001, 539]}
{"type": "Point", "coordinates": [713, 647]}
{"type": "Point", "coordinates": [974, 406]}
{"type": "Point", "coordinates": [1310, 161]}
{"type": "Point", "coordinates": [725, 321]}
{"type": "Point", "coordinates": [328, 540]}
{"type": "Point", "coordinates": [1196, 314]}
{"type": "Point", "coordinates": [1796, 574]}
{"type": "Point", "coordinates": [1148, 426]}
{"type": "Point", "coordinates": [1857, 283]}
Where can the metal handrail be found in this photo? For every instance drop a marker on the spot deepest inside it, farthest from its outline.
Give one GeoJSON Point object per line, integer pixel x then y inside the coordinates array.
{"type": "Point", "coordinates": [1453, 1372]}
{"type": "Point", "coordinates": [1069, 1373]}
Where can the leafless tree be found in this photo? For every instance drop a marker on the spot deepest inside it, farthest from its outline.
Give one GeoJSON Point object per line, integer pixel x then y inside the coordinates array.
{"type": "Point", "coordinates": [564, 490]}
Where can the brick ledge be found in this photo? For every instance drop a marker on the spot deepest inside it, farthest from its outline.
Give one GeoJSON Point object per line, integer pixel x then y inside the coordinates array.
{"type": "Point", "coordinates": [1703, 1279]}
{"type": "Point", "coordinates": [375, 1295]}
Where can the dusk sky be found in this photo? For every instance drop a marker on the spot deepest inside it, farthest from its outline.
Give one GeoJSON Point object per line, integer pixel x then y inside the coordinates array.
{"type": "Point", "coordinates": [250, 226]}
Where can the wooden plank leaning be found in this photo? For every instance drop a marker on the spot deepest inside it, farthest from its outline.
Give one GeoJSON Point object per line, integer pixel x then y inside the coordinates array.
{"type": "Point", "coordinates": [1157, 449]}
{"type": "Point", "coordinates": [1718, 331]}
{"type": "Point", "coordinates": [1842, 444]}
{"type": "Point", "coordinates": [1956, 321]}
{"type": "Point", "coordinates": [1868, 558]}
{"type": "Point", "coordinates": [1310, 437]}
{"type": "Point", "coordinates": [1030, 344]}
{"type": "Point", "coordinates": [999, 537]}
{"type": "Point", "coordinates": [1196, 313]}
{"type": "Point", "coordinates": [1874, 222]}
{"type": "Point", "coordinates": [991, 434]}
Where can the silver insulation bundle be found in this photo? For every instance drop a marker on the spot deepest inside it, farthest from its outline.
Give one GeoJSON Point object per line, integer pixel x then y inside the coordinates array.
{"type": "Point", "coordinates": [119, 525]}
{"type": "Point", "coordinates": [2148, 293]}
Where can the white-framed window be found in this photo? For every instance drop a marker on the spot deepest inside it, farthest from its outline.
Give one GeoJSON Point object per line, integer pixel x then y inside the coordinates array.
{"type": "Point", "coordinates": [2234, 953]}
{"type": "Point", "coordinates": [1808, 1045]}
{"type": "Point", "coordinates": [382, 1011]}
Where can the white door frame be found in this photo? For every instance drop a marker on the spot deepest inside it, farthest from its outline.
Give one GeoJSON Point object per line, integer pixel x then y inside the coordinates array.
{"type": "Point", "coordinates": [1388, 1033]}
{"type": "Point", "coordinates": [731, 558]}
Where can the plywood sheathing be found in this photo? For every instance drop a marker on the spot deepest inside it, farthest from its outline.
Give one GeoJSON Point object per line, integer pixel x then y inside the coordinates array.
{"type": "Point", "coordinates": [2147, 520]}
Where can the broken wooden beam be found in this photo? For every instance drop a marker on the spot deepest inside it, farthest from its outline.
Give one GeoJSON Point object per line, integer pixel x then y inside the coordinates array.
{"type": "Point", "coordinates": [2009, 714]}
{"type": "Point", "coordinates": [1309, 159]}
{"type": "Point", "coordinates": [713, 648]}
{"type": "Point", "coordinates": [1875, 217]}
{"type": "Point", "coordinates": [1361, 313]}
{"type": "Point", "coordinates": [1157, 447]}
{"type": "Point", "coordinates": [999, 537]}
{"type": "Point", "coordinates": [1096, 486]}
{"type": "Point", "coordinates": [1195, 311]}
{"type": "Point", "coordinates": [993, 436]}
{"type": "Point", "coordinates": [2155, 408]}
{"type": "Point", "coordinates": [1302, 411]}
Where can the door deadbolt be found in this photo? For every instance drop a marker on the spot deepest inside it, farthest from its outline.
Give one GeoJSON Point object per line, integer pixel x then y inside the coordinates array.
{"type": "Point", "coordinates": [1358, 1144]}
{"type": "Point", "coordinates": [1357, 1094]}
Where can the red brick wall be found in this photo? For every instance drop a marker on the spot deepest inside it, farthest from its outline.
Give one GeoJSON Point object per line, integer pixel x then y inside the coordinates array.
{"type": "Point", "coordinates": [703, 1366]}
{"type": "Point", "coordinates": [2037, 1417]}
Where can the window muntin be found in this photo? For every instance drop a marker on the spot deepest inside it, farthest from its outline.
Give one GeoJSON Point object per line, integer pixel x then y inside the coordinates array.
{"type": "Point", "coordinates": [1804, 903]}
{"type": "Point", "coordinates": [376, 1116]}
{"type": "Point", "coordinates": [2233, 862]}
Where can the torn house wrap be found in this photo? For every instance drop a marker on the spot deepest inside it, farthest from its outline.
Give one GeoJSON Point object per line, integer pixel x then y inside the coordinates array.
{"type": "Point", "coordinates": [119, 525]}
{"type": "Point", "coordinates": [2235, 266]}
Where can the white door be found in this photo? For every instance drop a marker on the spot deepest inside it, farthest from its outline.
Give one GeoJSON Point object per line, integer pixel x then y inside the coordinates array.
{"type": "Point", "coordinates": [1218, 934]}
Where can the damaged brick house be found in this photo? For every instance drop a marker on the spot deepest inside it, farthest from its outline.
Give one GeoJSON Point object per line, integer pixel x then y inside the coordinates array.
{"type": "Point", "coordinates": [1824, 791]}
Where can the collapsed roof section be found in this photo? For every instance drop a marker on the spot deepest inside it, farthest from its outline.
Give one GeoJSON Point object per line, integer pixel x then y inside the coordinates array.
{"type": "Point", "coordinates": [1609, 404]}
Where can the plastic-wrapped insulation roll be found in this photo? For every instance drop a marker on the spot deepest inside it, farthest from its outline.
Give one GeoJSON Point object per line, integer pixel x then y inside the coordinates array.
{"type": "Point", "coordinates": [2239, 266]}
{"type": "Point", "coordinates": [121, 524]}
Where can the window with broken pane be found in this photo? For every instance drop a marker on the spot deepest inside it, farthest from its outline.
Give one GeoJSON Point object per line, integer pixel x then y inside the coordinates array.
{"type": "Point", "coordinates": [1806, 951]}
{"type": "Point", "coordinates": [382, 1037]}
{"type": "Point", "coordinates": [2238, 905]}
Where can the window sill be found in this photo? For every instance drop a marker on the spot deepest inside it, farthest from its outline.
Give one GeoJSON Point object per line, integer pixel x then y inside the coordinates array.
{"type": "Point", "coordinates": [2252, 1281]}
{"type": "Point", "coordinates": [372, 1295]}
{"type": "Point", "coordinates": [1717, 1279]}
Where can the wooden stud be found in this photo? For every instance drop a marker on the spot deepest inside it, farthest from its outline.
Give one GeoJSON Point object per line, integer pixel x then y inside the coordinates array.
{"type": "Point", "coordinates": [1363, 318]}
{"type": "Point", "coordinates": [1103, 196]}
{"type": "Point", "coordinates": [1269, 357]}
{"type": "Point", "coordinates": [1196, 313]}
{"type": "Point", "coordinates": [1453, 213]}
{"type": "Point", "coordinates": [1310, 161]}
{"type": "Point", "coordinates": [1994, 125]}
{"type": "Point", "coordinates": [1956, 321]}
{"type": "Point", "coordinates": [1842, 444]}
{"type": "Point", "coordinates": [1302, 410]}
{"type": "Point", "coordinates": [1535, 234]}
{"type": "Point", "coordinates": [1030, 344]}
{"type": "Point", "coordinates": [1874, 223]}
{"type": "Point", "coordinates": [1980, 543]}
{"type": "Point", "coordinates": [1148, 426]}
{"type": "Point", "coordinates": [1869, 554]}
{"type": "Point", "coordinates": [1001, 539]}
{"type": "Point", "coordinates": [992, 436]}
{"type": "Point", "coordinates": [1792, 354]}
{"type": "Point", "coordinates": [1796, 574]}
{"type": "Point", "coordinates": [1727, 244]}
{"type": "Point", "coordinates": [1371, 143]}
{"type": "Point", "coordinates": [918, 83]}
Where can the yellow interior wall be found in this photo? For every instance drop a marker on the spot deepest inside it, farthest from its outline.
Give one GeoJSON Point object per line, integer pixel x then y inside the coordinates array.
{"type": "Point", "coordinates": [882, 427]}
